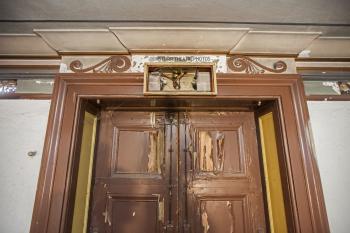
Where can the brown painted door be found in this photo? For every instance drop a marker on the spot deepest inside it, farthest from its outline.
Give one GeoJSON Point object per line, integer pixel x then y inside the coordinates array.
{"type": "Point", "coordinates": [177, 172]}
{"type": "Point", "coordinates": [222, 183]}
{"type": "Point", "coordinates": [135, 164]}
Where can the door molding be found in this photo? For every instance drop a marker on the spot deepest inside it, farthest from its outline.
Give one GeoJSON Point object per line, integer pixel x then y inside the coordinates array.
{"type": "Point", "coordinates": [72, 90]}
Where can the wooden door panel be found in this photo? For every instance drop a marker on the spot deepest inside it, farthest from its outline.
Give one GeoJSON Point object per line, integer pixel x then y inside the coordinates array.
{"type": "Point", "coordinates": [134, 214]}
{"type": "Point", "coordinates": [131, 179]}
{"type": "Point", "coordinates": [224, 191]}
{"type": "Point", "coordinates": [138, 143]}
{"type": "Point", "coordinates": [144, 145]}
{"type": "Point", "coordinates": [209, 206]}
{"type": "Point", "coordinates": [224, 215]}
{"type": "Point", "coordinates": [219, 150]}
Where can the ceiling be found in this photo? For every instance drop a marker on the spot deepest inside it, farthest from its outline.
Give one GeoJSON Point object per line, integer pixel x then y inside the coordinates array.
{"type": "Point", "coordinates": [49, 27]}
{"type": "Point", "coordinates": [274, 11]}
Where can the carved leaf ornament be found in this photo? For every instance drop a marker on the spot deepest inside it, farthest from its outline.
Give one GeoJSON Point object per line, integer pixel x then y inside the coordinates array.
{"type": "Point", "coordinates": [118, 63]}
{"type": "Point", "coordinates": [239, 63]}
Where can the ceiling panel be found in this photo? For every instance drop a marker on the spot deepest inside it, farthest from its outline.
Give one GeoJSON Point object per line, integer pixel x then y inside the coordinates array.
{"type": "Point", "coordinates": [288, 11]}
{"type": "Point", "coordinates": [82, 40]}
{"type": "Point", "coordinates": [24, 45]}
{"type": "Point", "coordinates": [328, 47]}
{"type": "Point", "coordinates": [179, 38]}
{"type": "Point", "coordinates": [330, 17]}
{"type": "Point", "coordinates": [274, 42]}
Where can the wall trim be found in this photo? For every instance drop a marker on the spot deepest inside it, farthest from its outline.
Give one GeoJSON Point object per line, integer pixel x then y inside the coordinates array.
{"type": "Point", "coordinates": [26, 96]}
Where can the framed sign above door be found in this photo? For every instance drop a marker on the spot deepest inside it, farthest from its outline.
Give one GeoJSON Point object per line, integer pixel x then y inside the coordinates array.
{"type": "Point", "coordinates": [180, 79]}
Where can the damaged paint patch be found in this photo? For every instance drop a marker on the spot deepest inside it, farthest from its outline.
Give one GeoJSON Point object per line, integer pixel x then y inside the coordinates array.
{"type": "Point", "coordinates": [161, 211]}
{"type": "Point", "coordinates": [107, 218]}
{"type": "Point", "coordinates": [106, 214]}
{"type": "Point", "coordinates": [205, 220]}
{"type": "Point", "coordinates": [152, 154]}
{"type": "Point", "coordinates": [232, 216]}
{"type": "Point", "coordinates": [191, 146]}
{"type": "Point", "coordinates": [220, 140]}
{"type": "Point", "coordinates": [155, 155]}
{"type": "Point", "coordinates": [206, 162]}
{"type": "Point", "coordinates": [160, 208]}
{"type": "Point", "coordinates": [153, 119]}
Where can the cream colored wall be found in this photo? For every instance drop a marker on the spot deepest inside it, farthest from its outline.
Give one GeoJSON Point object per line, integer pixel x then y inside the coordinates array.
{"type": "Point", "coordinates": [22, 129]}
{"type": "Point", "coordinates": [331, 129]}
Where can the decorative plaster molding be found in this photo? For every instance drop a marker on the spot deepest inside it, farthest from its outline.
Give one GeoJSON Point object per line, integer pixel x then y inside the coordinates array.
{"type": "Point", "coordinates": [240, 63]}
{"type": "Point", "coordinates": [139, 60]}
{"type": "Point", "coordinates": [8, 86]}
{"type": "Point", "coordinates": [334, 86]}
{"type": "Point", "coordinates": [118, 64]}
{"type": "Point", "coordinates": [134, 63]}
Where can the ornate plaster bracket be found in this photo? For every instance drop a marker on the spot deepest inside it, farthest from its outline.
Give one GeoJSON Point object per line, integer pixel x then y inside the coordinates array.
{"type": "Point", "coordinates": [117, 63]}
{"type": "Point", "coordinates": [240, 63]}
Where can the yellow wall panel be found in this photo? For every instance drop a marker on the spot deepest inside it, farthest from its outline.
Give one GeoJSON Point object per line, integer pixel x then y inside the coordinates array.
{"type": "Point", "coordinates": [82, 196]}
{"type": "Point", "coordinates": [272, 174]}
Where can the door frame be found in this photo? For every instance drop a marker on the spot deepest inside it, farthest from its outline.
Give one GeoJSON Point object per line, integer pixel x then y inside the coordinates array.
{"type": "Point", "coordinates": [50, 214]}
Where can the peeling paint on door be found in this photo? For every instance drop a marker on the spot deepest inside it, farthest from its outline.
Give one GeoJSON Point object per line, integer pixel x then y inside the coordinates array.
{"type": "Point", "coordinates": [220, 140]}
{"type": "Point", "coordinates": [152, 155]}
{"type": "Point", "coordinates": [155, 155]}
{"type": "Point", "coordinates": [232, 216]}
{"type": "Point", "coordinates": [161, 210]}
{"type": "Point", "coordinates": [206, 162]}
{"type": "Point", "coordinates": [205, 220]}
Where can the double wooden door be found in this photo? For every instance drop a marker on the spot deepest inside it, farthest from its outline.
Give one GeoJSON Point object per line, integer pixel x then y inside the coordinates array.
{"type": "Point", "coordinates": [181, 172]}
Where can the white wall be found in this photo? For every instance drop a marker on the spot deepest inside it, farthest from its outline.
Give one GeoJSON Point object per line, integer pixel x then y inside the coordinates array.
{"type": "Point", "coordinates": [331, 128]}
{"type": "Point", "coordinates": [22, 129]}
